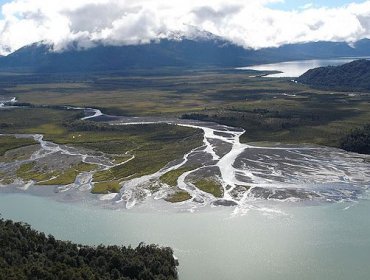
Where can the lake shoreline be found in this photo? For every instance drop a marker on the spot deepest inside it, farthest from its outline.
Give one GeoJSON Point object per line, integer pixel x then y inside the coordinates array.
{"type": "Point", "coordinates": [295, 68]}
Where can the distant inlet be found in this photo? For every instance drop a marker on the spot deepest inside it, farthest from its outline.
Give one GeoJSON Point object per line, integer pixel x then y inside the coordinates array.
{"type": "Point", "coordinates": [296, 68]}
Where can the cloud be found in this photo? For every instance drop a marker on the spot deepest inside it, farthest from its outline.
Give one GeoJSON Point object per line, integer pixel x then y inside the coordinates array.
{"type": "Point", "coordinates": [250, 24]}
{"type": "Point", "coordinates": [307, 6]}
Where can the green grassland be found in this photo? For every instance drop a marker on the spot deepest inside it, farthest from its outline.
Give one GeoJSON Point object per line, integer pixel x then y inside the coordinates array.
{"type": "Point", "coordinates": [106, 187]}
{"type": "Point", "coordinates": [27, 172]}
{"type": "Point", "coordinates": [36, 120]}
{"type": "Point", "coordinates": [153, 146]}
{"type": "Point", "coordinates": [210, 185]}
{"type": "Point", "coordinates": [69, 176]}
{"type": "Point", "coordinates": [42, 176]}
{"type": "Point", "coordinates": [8, 143]}
{"type": "Point", "coordinates": [170, 178]}
{"type": "Point", "coordinates": [178, 196]}
{"type": "Point", "coordinates": [150, 157]}
{"type": "Point", "coordinates": [269, 109]}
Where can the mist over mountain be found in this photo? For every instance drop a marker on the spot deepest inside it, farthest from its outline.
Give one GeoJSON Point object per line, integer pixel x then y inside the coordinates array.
{"type": "Point", "coordinates": [251, 24]}
{"type": "Point", "coordinates": [208, 51]}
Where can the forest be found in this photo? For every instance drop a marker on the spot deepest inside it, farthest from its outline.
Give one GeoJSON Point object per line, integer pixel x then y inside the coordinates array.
{"type": "Point", "coordinates": [28, 254]}
{"type": "Point", "coordinates": [357, 141]}
{"type": "Point", "coordinates": [353, 76]}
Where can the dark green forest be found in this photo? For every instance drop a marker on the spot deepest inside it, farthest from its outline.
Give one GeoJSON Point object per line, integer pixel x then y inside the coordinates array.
{"type": "Point", "coordinates": [353, 76]}
{"type": "Point", "coordinates": [28, 254]}
{"type": "Point", "coordinates": [357, 141]}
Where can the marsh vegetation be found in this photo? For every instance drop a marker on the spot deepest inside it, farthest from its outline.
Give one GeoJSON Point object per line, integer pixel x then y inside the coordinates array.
{"type": "Point", "coordinates": [150, 147]}
{"type": "Point", "coordinates": [269, 109]}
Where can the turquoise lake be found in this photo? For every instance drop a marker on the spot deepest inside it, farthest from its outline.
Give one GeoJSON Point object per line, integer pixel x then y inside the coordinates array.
{"type": "Point", "coordinates": [281, 241]}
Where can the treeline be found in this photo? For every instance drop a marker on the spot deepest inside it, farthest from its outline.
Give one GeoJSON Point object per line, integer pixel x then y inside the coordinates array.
{"type": "Point", "coordinates": [357, 141]}
{"type": "Point", "coordinates": [86, 125]}
{"type": "Point", "coordinates": [354, 76]}
{"type": "Point", "coordinates": [157, 131]}
{"type": "Point", "coordinates": [263, 119]}
{"type": "Point", "coordinates": [28, 254]}
{"type": "Point", "coordinates": [79, 115]}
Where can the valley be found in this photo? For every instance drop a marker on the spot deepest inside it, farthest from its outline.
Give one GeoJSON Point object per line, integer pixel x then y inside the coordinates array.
{"type": "Point", "coordinates": [269, 109]}
{"type": "Point", "coordinates": [193, 138]}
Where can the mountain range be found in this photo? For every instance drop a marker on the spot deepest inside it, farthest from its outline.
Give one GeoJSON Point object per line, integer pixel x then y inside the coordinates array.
{"type": "Point", "coordinates": [184, 53]}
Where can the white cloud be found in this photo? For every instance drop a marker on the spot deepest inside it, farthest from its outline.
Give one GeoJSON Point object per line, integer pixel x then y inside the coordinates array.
{"type": "Point", "coordinates": [307, 6]}
{"type": "Point", "coordinates": [121, 22]}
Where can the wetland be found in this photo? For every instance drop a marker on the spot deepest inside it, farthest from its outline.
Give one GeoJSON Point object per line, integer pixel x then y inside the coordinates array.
{"type": "Point", "coordinates": [183, 155]}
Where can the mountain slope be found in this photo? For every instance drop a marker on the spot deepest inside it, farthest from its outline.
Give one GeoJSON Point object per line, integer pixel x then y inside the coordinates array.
{"type": "Point", "coordinates": [353, 76]}
{"type": "Point", "coordinates": [206, 52]}
{"type": "Point", "coordinates": [185, 53]}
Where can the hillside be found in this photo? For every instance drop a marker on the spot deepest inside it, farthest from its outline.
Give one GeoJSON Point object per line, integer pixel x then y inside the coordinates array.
{"type": "Point", "coordinates": [185, 53]}
{"type": "Point", "coordinates": [353, 76]}
{"type": "Point", "coordinates": [28, 254]}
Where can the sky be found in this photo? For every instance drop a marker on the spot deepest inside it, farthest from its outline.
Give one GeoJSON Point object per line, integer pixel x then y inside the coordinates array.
{"type": "Point", "coordinates": [247, 23]}
{"type": "Point", "coordinates": [300, 4]}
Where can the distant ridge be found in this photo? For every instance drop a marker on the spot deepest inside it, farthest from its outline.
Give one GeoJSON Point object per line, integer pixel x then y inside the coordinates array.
{"type": "Point", "coordinates": [206, 51]}
{"type": "Point", "coordinates": [353, 76]}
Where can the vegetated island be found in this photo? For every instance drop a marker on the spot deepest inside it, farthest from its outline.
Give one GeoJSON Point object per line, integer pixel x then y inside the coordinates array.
{"type": "Point", "coordinates": [28, 254]}
{"type": "Point", "coordinates": [353, 76]}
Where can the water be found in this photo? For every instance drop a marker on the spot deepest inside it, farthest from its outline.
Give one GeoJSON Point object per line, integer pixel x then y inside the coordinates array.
{"type": "Point", "coordinates": [259, 239]}
{"type": "Point", "coordinates": [7, 102]}
{"type": "Point", "coordinates": [331, 241]}
{"type": "Point", "coordinates": [297, 68]}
